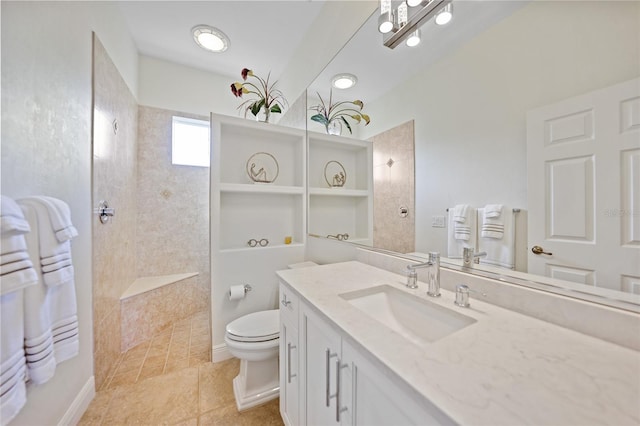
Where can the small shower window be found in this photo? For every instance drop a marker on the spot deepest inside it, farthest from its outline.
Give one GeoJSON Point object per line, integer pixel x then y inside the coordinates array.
{"type": "Point", "coordinates": [190, 142]}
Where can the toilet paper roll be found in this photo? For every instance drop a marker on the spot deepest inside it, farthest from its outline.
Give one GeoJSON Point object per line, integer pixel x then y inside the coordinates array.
{"type": "Point", "coordinates": [236, 292]}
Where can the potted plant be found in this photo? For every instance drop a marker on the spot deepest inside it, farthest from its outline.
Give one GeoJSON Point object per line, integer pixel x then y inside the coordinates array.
{"type": "Point", "coordinates": [266, 96]}
{"type": "Point", "coordinates": [334, 115]}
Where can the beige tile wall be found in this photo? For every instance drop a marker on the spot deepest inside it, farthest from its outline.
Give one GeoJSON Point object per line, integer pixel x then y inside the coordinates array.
{"type": "Point", "coordinates": [114, 180]}
{"type": "Point", "coordinates": [161, 222]}
{"type": "Point", "coordinates": [393, 186]}
{"type": "Point", "coordinates": [172, 217]}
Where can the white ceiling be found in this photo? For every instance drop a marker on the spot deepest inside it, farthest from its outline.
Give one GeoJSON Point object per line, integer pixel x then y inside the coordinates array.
{"type": "Point", "coordinates": [379, 68]}
{"type": "Point", "coordinates": [265, 34]}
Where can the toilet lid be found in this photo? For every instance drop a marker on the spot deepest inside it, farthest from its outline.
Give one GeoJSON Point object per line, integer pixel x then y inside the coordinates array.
{"type": "Point", "coordinates": [255, 327]}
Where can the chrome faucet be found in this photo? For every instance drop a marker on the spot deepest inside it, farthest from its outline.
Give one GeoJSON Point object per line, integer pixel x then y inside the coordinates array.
{"type": "Point", "coordinates": [469, 258]}
{"type": "Point", "coordinates": [462, 295]}
{"type": "Point", "coordinates": [434, 274]}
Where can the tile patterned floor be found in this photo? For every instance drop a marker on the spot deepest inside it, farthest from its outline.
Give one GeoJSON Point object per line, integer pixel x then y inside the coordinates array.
{"type": "Point", "coordinates": [170, 380]}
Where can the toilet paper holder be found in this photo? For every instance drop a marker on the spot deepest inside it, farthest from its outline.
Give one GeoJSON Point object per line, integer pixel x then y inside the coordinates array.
{"type": "Point", "coordinates": [247, 288]}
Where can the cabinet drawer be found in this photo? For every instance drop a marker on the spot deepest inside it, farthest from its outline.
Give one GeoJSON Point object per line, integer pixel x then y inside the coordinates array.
{"type": "Point", "coordinates": [288, 304]}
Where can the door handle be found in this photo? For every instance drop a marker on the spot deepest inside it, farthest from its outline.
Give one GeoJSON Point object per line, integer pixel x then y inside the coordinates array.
{"type": "Point", "coordinates": [539, 250]}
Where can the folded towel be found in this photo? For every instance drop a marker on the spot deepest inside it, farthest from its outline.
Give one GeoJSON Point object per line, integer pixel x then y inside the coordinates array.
{"type": "Point", "coordinates": [461, 222]}
{"type": "Point", "coordinates": [460, 213]}
{"type": "Point", "coordinates": [456, 245]}
{"type": "Point", "coordinates": [60, 217]}
{"type": "Point", "coordinates": [492, 210]}
{"type": "Point", "coordinates": [55, 259]}
{"type": "Point", "coordinates": [49, 243]}
{"type": "Point", "coordinates": [50, 309]}
{"type": "Point", "coordinates": [500, 251]}
{"type": "Point", "coordinates": [12, 358]}
{"type": "Point", "coordinates": [12, 221]}
{"type": "Point", "coordinates": [492, 226]}
{"type": "Point", "coordinates": [13, 257]}
{"type": "Point", "coordinates": [59, 276]}
{"type": "Point", "coordinates": [12, 244]}
{"type": "Point", "coordinates": [16, 268]}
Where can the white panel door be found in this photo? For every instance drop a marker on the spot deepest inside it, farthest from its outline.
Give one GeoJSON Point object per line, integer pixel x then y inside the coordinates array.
{"type": "Point", "coordinates": [583, 161]}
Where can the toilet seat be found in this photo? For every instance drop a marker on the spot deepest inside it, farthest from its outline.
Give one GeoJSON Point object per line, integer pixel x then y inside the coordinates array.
{"type": "Point", "coordinates": [256, 327]}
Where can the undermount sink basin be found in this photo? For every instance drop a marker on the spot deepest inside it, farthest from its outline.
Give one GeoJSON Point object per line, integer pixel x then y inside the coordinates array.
{"type": "Point", "coordinates": [415, 319]}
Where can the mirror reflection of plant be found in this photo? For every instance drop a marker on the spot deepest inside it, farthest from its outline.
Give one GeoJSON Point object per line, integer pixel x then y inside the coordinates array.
{"type": "Point", "coordinates": [327, 113]}
{"type": "Point", "coordinates": [268, 97]}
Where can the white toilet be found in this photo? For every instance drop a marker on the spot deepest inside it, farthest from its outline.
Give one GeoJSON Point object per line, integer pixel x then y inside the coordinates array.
{"type": "Point", "coordinates": [254, 339]}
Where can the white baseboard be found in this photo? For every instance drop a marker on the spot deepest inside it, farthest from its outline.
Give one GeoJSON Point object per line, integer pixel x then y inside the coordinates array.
{"type": "Point", "coordinates": [79, 404]}
{"type": "Point", "coordinates": [220, 353]}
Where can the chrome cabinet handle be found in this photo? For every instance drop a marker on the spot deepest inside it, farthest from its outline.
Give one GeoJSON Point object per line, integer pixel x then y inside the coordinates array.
{"type": "Point", "coordinates": [328, 355]}
{"type": "Point", "coordinates": [289, 375]}
{"type": "Point", "coordinates": [339, 409]}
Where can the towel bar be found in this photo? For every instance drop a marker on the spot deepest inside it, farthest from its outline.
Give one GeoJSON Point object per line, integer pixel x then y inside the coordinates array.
{"type": "Point", "coordinates": [515, 210]}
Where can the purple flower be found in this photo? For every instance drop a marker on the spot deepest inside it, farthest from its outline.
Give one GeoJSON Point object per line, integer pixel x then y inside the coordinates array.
{"type": "Point", "coordinates": [246, 72]}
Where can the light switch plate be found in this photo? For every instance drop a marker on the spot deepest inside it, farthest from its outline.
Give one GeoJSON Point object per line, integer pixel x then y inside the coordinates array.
{"type": "Point", "coordinates": [437, 221]}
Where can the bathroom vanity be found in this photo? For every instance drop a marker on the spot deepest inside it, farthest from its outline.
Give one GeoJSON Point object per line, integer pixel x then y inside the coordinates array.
{"type": "Point", "coordinates": [359, 348]}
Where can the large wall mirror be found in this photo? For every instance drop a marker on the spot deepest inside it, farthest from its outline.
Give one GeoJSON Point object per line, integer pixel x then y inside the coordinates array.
{"type": "Point", "coordinates": [468, 90]}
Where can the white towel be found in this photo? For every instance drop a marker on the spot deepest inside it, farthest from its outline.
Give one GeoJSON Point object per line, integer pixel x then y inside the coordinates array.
{"type": "Point", "coordinates": [492, 210]}
{"type": "Point", "coordinates": [16, 268]}
{"type": "Point", "coordinates": [13, 394]}
{"type": "Point", "coordinates": [12, 221]}
{"type": "Point", "coordinates": [60, 216]}
{"type": "Point", "coordinates": [460, 213]}
{"type": "Point", "coordinates": [462, 222]}
{"type": "Point", "coordinates": [492, 224]}
{"type": "Point", "coordinates": [51, 328]}
{"type": "Point", "coordinates": [500, 251]}
{"type": "Point", "coordinates": [455, 245]}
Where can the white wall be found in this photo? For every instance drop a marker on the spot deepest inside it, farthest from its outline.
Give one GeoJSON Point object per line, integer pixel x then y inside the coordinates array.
{"type": "Point", "coordinates": [176, 87]}
{"type": "Point", "coordinates": [470, 107]}
{"type": "Point", "coordinates": [46, 148]}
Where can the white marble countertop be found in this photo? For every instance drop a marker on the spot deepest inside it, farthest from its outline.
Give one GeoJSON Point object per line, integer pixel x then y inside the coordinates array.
{"type": "Point", "coordinates": [505, 369]}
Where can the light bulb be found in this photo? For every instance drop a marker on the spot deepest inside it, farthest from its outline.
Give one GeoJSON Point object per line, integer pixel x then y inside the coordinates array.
{"type": "Point", "coordinates": [413, 39]}
{"type": "Point", "coordinates": [444, 16]}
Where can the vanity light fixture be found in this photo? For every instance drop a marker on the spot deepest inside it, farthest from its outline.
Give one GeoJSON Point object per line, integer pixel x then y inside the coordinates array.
{"type": "Point", "coordinates": [414, 38]}
{"type": "Point", "coordinates": [386, 18]}
{"type": "Point", "coordinates": [414, 3]}
{"type": "Point", "coordinates": [344, 81]}
{"type": "Point", "coordinates": [210, 38]}
{"type": "Point", "coordinates": [444, 16]}
{"type": "Point", "coordinates": [409, 16]}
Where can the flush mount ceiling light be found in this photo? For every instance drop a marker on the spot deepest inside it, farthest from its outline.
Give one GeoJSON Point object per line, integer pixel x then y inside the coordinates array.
{"type": "Point", "coordinates": [413, 39]}
{"type": "Point", "coordinates": [444, 16]}
{"type": "Point", "coordinates": [344, 81]}
{"type": "Point", "coordinates": [210, 38]}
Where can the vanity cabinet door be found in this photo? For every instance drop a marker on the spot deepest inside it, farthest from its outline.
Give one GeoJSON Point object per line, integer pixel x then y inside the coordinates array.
{"type": "Point", "coordinates": [289, 377]}
{"type": "Point", "coordinates": [321, 354]}
{"type": "Point", "coordinates": [289, 357]}
{"type": "Point", "coordinates": [376, 400]}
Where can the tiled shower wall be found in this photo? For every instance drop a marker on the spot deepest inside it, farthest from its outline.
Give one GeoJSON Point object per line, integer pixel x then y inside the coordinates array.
{"type": "Point", "coordinates": [114, 179]}
{"type": "Point", "coordinates": [161, 217]}
{"type": "Point", "coordinates": [173, 213]}
{"type": "Point", "coordinates": [394, 187]}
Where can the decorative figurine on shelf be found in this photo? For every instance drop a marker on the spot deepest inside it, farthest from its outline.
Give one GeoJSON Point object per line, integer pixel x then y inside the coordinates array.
{"type": "Point", "coordinates": [266, 165]}
{"type": "Point", "coordinates": [337, 172]}
{"type": "Point", "coordinates": [339, 179]}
